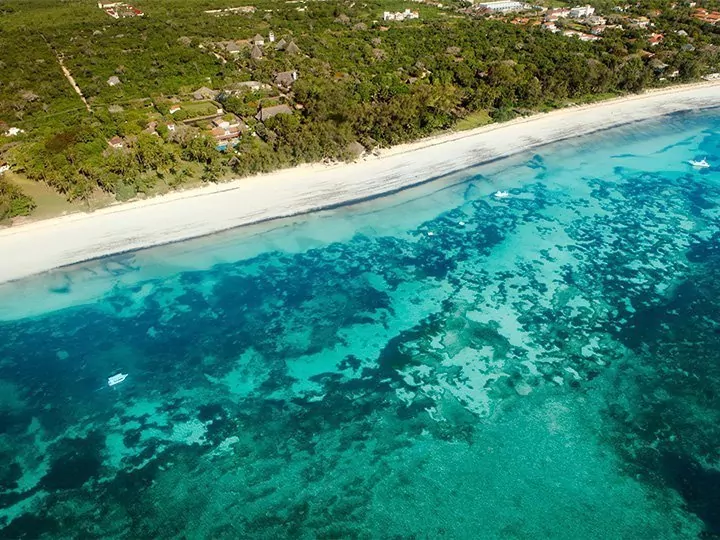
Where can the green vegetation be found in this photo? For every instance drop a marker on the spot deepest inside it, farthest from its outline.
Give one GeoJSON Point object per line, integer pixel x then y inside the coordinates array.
{"type": "Point", "coordinates": [360, 80]}
{"type": "Point", "coordinates": [474, 120]}
{"type": "Point", "coordinates": [13, 202]}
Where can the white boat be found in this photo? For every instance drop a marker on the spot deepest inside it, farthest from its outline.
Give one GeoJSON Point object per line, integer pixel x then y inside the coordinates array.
{"type": "Point", "coordinates": [117, 379]}
{"type": "Point", "coordinates": [702, 164]}
{"type": "Point", "coordinates": [501, 194]}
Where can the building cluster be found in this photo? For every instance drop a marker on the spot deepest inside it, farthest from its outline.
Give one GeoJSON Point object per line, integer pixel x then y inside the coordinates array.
{"type": "Point", "coordinates": [581, 15]}
{"type": "Point", "coordinates": [224, 127]}
{"type": "Point", "coordinates": [120, 9]}
{"type": "Point", "coordinates": [257, 45]}
{"type": "Point", "coordinates": [400, 15]}
{"type": "Point", "coordinates": [711, 17]}
{"type": "Point", "coordinates": [246, 10]}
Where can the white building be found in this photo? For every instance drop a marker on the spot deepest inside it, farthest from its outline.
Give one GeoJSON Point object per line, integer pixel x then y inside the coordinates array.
{"type": "Point", "coordinates": [581, 11]}
{"type": "Point", "coordinates": [11, 132]}
{"type": "Point", "coordinates": [400, 15]}
{"type": "Point", "coordinates": [4, 167]}
{"type": "Point", "coordinates": [503, 6]}
{"type": "Point", "coordinates": [581, 36]}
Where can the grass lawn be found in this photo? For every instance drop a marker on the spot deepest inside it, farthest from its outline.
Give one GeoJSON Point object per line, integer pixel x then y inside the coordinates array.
{"type": "Point", "coordinates": [199, 108]}
{"type": "Point", "coordinates": [473, 120]}
{"type": "Point", "coordinates": [50, 203]}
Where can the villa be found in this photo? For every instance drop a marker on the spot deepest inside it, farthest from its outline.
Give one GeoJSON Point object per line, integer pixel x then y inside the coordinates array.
{"type": "Point", "coordinates": [286, 78]}
{"type": "Point", "coordinates": [116, 142]}
{"type": "Point", "coordinates": [581, 36]}
{"type": "Point", "coordinates": [656, 39]}
{"type": "Point", "coordinates": [269, 112]}
{"type": "Point", "coordinates": [204, 93]}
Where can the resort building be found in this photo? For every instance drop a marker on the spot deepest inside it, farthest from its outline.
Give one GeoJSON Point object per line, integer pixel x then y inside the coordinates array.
{"type": "Point", "coordinates": [655, 39]}
{"type": "Point", "coordinates": [227, 131]}
{"type": "Point", "coordinates": [400, 15]}
{"type": "Point", "coordinates": [256, 52]}
{"type": "Point", "coordinates": [581, 11]}
{"type": "Point", "coordinates": [639, 22]}
{"type": "Point", "coordinates": [120, 9]}
{"type": "Point", "coordinates": [595, 20]}
{"type": "Point", "coordinates": [116, 142]}
{"type": "Point", "coordinates": [553, 15]}
{"type": "Point", "coordinates": [710, 17]}
{"type": "Point", "coordinates": [286, 78]}
{"type": "Point", "coordinates": [252, 86]}
{"type": "Point", "coordinates": [502, 6]}
{"type": "Point", "coordinates": [227, 11]}
{"type": "Point", "coordinates": [204, 93]}
{"type": "Point", "coordinates": [580, 35]}
{"type": "Point", "coordinates": [269, 112]}
{"type": "Point", "coordinates": [232, 47]}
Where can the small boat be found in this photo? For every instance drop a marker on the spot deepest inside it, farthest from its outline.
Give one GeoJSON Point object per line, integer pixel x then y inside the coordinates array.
{"type": "Point", "coordinates": [501, 194]}
{"type": "Point", "coordinates": [702, 164]}
{"type": "Point", "coordinates": [117, 379]}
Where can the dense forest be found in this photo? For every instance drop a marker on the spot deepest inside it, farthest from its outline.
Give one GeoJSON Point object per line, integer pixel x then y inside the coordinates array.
{"type": "Point", "coordinates": [360, 80]}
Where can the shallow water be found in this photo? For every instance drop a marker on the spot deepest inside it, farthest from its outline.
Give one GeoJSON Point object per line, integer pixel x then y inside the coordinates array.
{"type": "Point", "coordinates": [436, 364]}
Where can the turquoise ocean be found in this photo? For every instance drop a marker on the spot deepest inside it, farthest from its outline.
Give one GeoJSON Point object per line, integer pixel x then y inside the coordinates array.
{"type": "Point", "coordinates": [439, 363]}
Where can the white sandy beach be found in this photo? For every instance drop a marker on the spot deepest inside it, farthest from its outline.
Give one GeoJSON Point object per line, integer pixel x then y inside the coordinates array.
{"type": "Point", "coordinates": [40, 246]}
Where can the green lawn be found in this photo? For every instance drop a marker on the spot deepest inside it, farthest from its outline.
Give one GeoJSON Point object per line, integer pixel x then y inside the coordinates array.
{"type": "Point", "coordinates": [199, 108]}
{"type": "Point", "coordinates": [473, 120]}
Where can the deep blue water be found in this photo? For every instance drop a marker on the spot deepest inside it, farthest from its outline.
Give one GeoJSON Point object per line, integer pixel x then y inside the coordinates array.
{"type": "Point", "coordinates": [440, 363]}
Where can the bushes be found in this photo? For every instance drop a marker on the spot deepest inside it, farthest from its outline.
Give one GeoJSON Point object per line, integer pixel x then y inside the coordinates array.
{"type": "Point", "coordinates": [13, 202]}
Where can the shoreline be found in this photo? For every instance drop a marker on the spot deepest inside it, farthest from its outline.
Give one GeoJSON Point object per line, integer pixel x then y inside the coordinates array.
{"type": "Point", "coordinates": [38, 246]}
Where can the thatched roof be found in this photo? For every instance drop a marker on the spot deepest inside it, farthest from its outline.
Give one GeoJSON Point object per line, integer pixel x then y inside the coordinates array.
{"type": "Point", "coordinates": [292, 48]}
{"type": "Point", "coordinates": [286, 78]}
{"type": "Point", "coordinates": [269, 112]}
